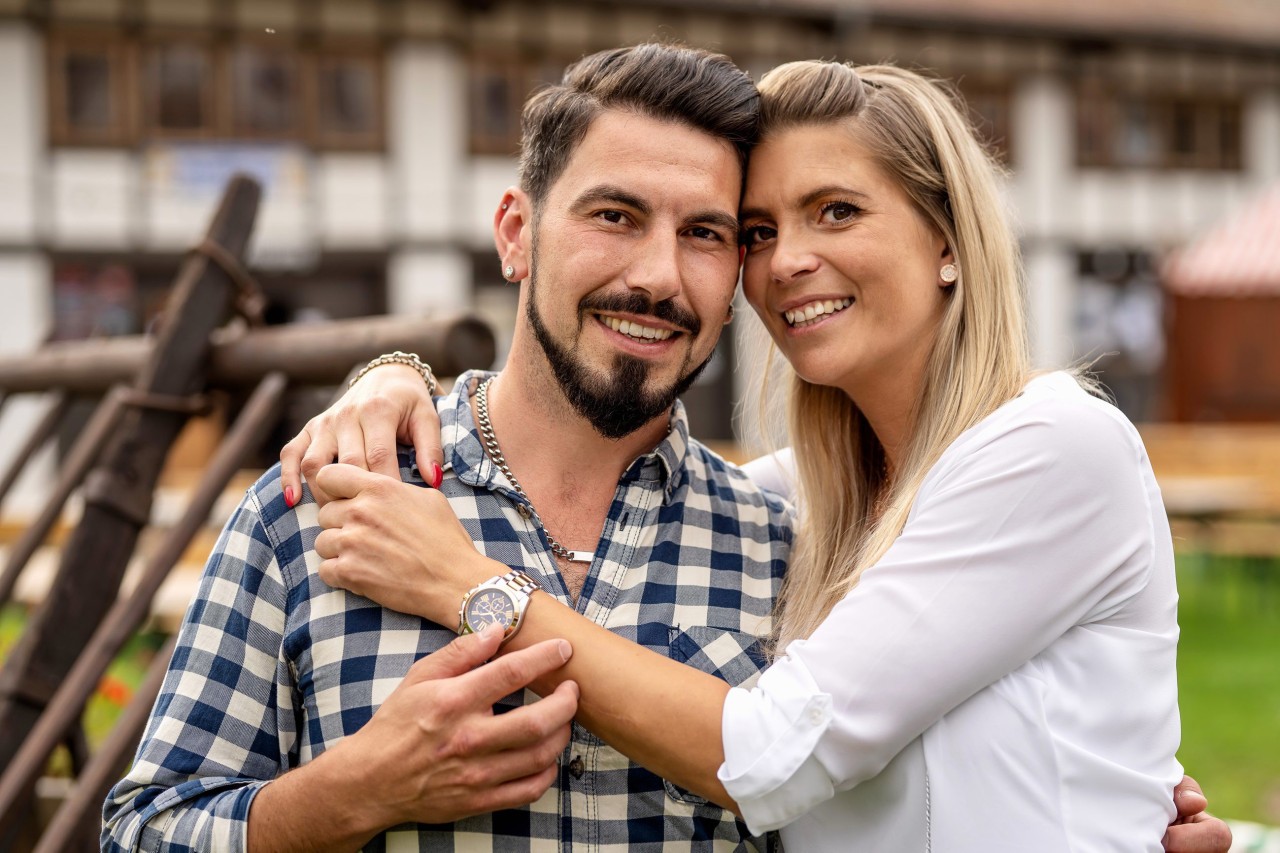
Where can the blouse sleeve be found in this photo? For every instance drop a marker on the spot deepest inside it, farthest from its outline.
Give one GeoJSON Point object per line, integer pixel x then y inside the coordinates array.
{"type": "Point", "coordinates": [1041, 524]}
{"type": "Point", "coordinates": [775, 472]}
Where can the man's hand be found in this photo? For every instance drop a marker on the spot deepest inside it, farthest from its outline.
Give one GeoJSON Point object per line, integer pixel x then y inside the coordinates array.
{"type": "Point", "coordinates": [389, 405]}
{"type": "Point", "coordinates": [397, 544]}
{"type": "Point", "coordinates": [1195, 830]}
{"type": "Point", "coordinates": [434, 752]}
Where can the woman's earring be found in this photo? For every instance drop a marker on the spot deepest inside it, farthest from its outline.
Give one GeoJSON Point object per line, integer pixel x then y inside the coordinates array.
{"type": "Point", "coordinates": [508, 272]}
{"type": "Point", "coordinates": [949, 273]}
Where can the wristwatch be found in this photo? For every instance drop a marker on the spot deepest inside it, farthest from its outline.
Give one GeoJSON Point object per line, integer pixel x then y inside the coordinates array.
{"type": "Point", "coordinates": [500, 600]}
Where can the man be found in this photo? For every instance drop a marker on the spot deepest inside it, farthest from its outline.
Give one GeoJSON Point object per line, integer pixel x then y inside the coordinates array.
{"type": "Point", "coordinates": [623, 235]}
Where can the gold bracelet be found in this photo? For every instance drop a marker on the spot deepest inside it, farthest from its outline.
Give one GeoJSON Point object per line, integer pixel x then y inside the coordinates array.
{"type": "Point", "coordinates": [409, 360]}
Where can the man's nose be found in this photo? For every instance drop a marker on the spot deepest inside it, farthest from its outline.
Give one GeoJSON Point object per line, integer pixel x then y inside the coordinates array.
{"type": "Point", "coordinates": [655, 269]}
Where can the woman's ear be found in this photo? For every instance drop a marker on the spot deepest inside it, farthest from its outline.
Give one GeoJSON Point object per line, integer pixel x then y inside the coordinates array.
{"type": "Point", "coordinates": [511, 223]}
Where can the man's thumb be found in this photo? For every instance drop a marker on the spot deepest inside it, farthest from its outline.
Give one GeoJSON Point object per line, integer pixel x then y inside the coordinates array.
{"type": "Point", "coordinates": [459, 657]}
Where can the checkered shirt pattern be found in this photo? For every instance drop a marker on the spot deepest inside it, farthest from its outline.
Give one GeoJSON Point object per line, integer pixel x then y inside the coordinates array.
{"type": "Point", "coordinates": [273, 666]}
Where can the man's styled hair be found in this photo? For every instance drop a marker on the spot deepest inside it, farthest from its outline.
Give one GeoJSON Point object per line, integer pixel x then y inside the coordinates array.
{"type": "Point", "coordinates": [703, 90]}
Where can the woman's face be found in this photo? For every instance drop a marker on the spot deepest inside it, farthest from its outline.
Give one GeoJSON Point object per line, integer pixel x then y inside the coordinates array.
{"type": "Point", "coordinates": [840, 266]}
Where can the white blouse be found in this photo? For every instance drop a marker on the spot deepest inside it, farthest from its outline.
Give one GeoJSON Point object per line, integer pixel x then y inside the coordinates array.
{"type": "Point", "coordinates": [1003, 678]}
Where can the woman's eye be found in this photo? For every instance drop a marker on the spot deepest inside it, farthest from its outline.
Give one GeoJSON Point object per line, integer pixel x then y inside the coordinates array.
{"type": "Point", "coordinates": [757, 234]}
{"type": "Point", "coordinates": [839, 211]}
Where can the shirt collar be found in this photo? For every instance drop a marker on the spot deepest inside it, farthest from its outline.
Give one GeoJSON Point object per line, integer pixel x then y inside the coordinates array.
{"type": "Point", "coordinates": [464, 450]}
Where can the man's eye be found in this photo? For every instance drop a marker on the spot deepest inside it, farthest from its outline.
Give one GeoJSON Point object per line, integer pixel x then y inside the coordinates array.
{"type": "Point", "coordinates": [704, 233]}
{"type": "Point", "coordinates": [614, 216]}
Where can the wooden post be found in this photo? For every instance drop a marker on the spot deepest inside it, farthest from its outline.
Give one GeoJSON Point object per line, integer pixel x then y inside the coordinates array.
{"type": "Point", "coordinates": [118, 492]}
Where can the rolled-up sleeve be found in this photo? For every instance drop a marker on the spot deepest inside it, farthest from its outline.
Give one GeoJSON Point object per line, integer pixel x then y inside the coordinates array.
{"type": "Point", "coordinates": [1013, 541]}
{"type": "Point", "coordinates": [214, 738]}
{"type": "Point", "coordinates": [773, 729]}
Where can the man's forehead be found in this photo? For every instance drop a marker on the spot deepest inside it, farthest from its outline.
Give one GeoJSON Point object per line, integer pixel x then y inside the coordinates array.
{"type": "Point", "coordinates": [620, 144]}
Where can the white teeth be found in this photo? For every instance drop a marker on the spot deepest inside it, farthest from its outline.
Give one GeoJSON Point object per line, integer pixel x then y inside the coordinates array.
{"type": "Point", "coordinates": [806, 314]}
{"type": "Point", "coordinates": [635, 330]}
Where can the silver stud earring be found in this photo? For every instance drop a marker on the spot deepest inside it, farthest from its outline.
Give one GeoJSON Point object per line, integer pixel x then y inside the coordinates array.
{"type": "Point", "coordinates": [505, 205]}
{"type": "Point", "coordinates": [949, 273]}
{"type": "Point", "coordinates": [508, 271]}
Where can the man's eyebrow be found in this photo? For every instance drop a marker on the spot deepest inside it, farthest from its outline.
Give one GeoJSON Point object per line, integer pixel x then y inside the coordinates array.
{"type": "Point", "coordinates": [718, 218]}
{"type": "Point", "coordinates": [609, 194]}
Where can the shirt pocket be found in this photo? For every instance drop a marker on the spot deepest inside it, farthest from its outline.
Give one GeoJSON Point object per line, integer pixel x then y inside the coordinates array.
{"type": "Point", "coordinates": [736, 657]}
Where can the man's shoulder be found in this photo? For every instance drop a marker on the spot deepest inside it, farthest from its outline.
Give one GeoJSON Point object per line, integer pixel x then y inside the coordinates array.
{"type": "Point", "coordinates": [713, 474]}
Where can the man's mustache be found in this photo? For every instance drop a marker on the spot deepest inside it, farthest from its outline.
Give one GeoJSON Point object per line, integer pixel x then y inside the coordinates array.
{"type": "Point", "coordinates": [637, 303]}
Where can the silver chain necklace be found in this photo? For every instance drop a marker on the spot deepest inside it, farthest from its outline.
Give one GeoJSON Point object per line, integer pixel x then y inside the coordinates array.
{"type": "Point", "coordinates": [495, 454]}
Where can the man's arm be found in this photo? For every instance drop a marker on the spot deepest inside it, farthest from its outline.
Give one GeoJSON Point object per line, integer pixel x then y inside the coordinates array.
{"type": "Point", "coordinates": [223, 729]}
{"type": "Point", "coordinates": [433, 753]}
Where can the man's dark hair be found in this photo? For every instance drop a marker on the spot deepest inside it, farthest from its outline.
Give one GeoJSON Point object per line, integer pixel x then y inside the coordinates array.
{"type": "Point", "coordinates": [703, 90]}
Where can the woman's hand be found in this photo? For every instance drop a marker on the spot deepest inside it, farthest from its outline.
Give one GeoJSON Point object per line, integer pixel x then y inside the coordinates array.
{"type": "Point", "coordinates": [388, 406]}
{"type": "Point", "coordinates": [1195, 830]}
{"type": "Point", "coordinates": [397, 544]}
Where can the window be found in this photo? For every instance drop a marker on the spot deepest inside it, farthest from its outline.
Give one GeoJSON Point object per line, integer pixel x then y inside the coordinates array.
{"type": "Point", "coordinates": [88, 82]}
{"type": "Point", "coordinates": [990, 109]}
{"type": "Point", "coordinates": [265, 95]}
{"type": "Point", "coordinates": [178, 96]}
{"type": "Point", "coordinates": [1156, 131]}
{"type": "Point", "coordinates": [499, 87]}
{"type": "Point", "coordinates": [190, 86]}
{"type": "Point", "coordinates": [347, 98]}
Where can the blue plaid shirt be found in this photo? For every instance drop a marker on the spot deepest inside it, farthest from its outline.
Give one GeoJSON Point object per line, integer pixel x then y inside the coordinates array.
{"type": "Point", "coordinates": [273, 666]}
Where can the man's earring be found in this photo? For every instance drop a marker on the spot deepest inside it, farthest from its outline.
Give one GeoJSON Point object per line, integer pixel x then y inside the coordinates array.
{"type": "Point", "coordinates": [505, 205]}
{"type": "Point", "coordinates": [729, 319]}
{"type": "Point", "coordinates": [949, 273]}
{"type": "Point", "coordinates": [508, 272]}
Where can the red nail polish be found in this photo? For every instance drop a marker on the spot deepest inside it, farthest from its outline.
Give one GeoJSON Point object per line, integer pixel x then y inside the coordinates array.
{"type": "Point", "coordinates": [288, 496]}
{"type": "Point", "coordinates": [437, 475]}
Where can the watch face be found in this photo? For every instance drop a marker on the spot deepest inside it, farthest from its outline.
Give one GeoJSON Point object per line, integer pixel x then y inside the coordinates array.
{"type": "Point", "coordinates": [488, 607]}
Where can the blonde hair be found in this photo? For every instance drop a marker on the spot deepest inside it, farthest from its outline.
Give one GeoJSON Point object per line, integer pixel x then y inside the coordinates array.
{"type": "Point", "coordinates": [919, 135]}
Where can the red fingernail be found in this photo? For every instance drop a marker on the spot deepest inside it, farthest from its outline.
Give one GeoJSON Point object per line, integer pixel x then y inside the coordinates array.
{"type": "Point", "coordinates": [437, 475]}
{"type": "Point", "coordinates": [288, 496]}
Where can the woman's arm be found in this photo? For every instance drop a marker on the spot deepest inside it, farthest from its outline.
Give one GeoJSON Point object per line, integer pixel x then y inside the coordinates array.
{"type": "Point", "coordinates": [658, 712]}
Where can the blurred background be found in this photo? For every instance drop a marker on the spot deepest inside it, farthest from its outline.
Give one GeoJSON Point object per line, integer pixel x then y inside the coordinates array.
{"type": "Point", "coordinates": [1142, 139]}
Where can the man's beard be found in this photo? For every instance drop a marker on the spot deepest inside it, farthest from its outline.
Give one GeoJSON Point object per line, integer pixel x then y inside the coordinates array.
{"type": "Point", "coordinates": [618, 404]}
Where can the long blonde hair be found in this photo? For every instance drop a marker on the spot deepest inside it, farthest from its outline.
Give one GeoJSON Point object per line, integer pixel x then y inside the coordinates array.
{"type": "Point", "coordinates": [919, 135]}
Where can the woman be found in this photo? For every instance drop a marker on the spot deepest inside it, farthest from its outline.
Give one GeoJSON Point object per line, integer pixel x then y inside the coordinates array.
{"type": "Point", "coordinates": [978, 630]}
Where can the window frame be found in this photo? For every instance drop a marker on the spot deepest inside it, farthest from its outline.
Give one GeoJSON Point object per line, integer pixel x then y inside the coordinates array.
{"type": "Point", "coordinates": [119, 52]}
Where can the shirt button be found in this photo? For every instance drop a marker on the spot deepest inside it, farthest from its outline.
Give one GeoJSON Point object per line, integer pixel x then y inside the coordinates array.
{"type": "Point", "coordinates": [576, 767]}
{"type": "Point", "coordinates": [815, 716]}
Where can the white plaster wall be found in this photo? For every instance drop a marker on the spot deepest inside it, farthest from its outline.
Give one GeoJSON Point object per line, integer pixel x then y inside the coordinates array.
{"type": "Point", "coordinates": [1051, 282]}
{"type": "Point", "coordinates": [423, 281]}
{"type": "Point", "coordinates": [351, 196]}
{"type": "Point", "coordinates": [91, 198]}
{"type": "Point", "coordinates": [427, 121]}
{"type": "Point", "coordinates": [22, 106]}
{"type": "Point", "coordinates": [24, 322]}
{"type": "Point", "coordinates": [488, 180]}
{"type": "Point", "coordinates": [1042, 130]}
{"type": "Point", "coordinates": [1156, 209]}
{"type": "Point", "coordinates": [1262, 137]}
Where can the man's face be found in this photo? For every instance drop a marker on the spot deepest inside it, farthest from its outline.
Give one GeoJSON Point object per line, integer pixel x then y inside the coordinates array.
{"type": "Point", "coordinates": [633, 266]}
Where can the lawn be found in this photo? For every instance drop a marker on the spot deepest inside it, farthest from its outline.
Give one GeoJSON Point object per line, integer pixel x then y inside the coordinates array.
{"type": "Point", "coordinates": [1229, 681]}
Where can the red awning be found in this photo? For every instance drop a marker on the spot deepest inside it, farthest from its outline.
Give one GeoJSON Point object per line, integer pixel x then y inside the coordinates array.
{"type": "Point", "coordinates": [1240, 257]}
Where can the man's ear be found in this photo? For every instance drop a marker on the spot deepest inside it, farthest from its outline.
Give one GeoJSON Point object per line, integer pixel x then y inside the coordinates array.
{"type": "Point", "coordinates": [512, 224]}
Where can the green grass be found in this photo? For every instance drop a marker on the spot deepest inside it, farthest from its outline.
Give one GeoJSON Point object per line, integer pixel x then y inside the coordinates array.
{"type": "Point", "coordinates": [1229, 682]}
